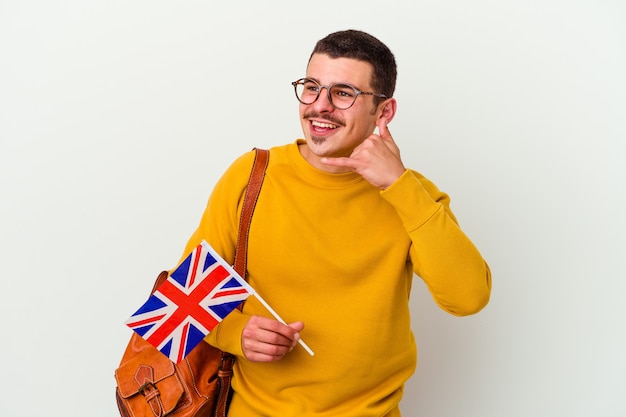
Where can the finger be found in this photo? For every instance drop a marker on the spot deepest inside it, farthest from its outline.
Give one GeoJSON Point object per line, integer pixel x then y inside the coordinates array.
{"type": "Point", "coordinates": [340, 162]}
{"type": "Point", "coordinates": [273, 338]}
{"type": "Point", "coordinates": [265, 348]}
{"type": "Point", "coordinates": [386, 136]}
{"type": "Point", "coordinates": [296, 325]}
{"type": "Point", "coordinates": [297, 328]}
{"type": "Point", "coordinates": [267, 340]}
{"type": "Point", "coordinates": [383, 130]}
{"type": "Point", "coordinates": [274, 332]}
{"type": "Point", "coordinates": [263, 352]}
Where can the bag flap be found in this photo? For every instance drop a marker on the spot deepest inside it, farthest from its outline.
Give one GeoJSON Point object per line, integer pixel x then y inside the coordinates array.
{"type": "Point", "coordinates": [147, 366]}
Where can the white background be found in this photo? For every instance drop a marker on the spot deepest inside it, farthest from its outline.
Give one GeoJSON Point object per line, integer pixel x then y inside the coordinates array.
{"type": "Point", "coordinates": [117, 117]}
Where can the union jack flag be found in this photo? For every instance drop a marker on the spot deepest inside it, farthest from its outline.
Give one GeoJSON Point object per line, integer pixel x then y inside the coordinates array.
{"type": "Point", "coordinates": [193, 299]}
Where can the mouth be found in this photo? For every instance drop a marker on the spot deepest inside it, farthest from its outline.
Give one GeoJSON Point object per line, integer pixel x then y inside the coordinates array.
{"type": "Point", "coordinates": [321, 127]}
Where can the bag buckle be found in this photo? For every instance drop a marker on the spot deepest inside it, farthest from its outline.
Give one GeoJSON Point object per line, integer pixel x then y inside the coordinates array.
{"type": "Point", "coordinates": [153, 398]}
{"type": "Point", "coordinates": [146, 388]}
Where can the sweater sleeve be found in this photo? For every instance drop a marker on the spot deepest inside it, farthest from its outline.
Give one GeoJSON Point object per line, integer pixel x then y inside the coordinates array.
{"type": "Point", "coordinates": [453, 269]}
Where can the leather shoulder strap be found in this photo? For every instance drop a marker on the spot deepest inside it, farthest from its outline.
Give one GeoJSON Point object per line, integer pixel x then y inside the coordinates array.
{"type": "Point", "coordinates": [255, 182]}
{"type": "Point", "coordinates": [261, 159]}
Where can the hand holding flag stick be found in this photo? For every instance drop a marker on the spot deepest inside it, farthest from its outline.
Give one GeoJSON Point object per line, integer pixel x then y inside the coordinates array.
{"type": "Point", "coordinates": [277, 317]}
{"type": "Point", "coordinates": [193, 299]}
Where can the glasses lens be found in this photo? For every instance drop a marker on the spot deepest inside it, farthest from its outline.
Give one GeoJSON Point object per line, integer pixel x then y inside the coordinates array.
{"type": "Point", "coordinates": [307, 91]}
{"type": "Point", "coordinates": [342, 96]}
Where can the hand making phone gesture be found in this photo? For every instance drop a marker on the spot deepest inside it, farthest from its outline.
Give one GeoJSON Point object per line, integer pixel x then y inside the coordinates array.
{"type": "Point", "coordinates": [377, 158]}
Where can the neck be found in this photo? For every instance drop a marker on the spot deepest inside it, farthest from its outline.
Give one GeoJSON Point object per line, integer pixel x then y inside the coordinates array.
{"type": "Point", "coordinates": [316, 161]}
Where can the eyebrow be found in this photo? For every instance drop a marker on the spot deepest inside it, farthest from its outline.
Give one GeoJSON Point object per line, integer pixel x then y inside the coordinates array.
{"type": "Point", "coordinates": [339, 83]}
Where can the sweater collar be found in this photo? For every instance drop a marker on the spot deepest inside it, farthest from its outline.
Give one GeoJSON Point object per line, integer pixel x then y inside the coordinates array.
{"type": "Point", "coordinates": [316, 176]}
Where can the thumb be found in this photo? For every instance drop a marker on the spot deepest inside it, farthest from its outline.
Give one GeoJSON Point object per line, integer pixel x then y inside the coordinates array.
{"type": "Point", "coordinates": [383, 130]}
{"type": "Point", "coordinates": [296, 325]}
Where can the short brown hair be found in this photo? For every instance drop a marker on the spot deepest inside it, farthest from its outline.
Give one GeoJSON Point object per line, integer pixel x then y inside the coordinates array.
{"type": "Point", "coordinates": [359, 45]}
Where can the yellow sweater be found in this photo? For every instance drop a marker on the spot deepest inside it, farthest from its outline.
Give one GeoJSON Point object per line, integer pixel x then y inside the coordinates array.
{"type": "Point", "coordinates": [338, 254]}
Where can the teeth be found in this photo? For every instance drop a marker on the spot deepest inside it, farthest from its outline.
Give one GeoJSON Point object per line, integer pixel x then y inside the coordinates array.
{"type": "Point", "coordinates": [325, 125]}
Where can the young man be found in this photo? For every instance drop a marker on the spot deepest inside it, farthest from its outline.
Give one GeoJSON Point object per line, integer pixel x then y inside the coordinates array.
{"type": "Point", "coordinates": [339, 230]}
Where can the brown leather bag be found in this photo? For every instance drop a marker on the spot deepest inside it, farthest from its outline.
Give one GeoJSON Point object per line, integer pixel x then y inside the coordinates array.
{"type": "Point", "coordinates": [149, 384]}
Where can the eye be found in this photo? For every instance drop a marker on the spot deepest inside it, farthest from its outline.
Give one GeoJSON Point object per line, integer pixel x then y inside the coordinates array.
{"type": "Point", "coordinates": [310, 86]}
{"type": "Point", "coordinates": [343, 91]}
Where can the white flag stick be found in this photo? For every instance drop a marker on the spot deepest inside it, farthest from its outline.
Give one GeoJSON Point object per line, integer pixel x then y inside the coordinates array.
{"type": "Point", "coordinates": [277, 317]}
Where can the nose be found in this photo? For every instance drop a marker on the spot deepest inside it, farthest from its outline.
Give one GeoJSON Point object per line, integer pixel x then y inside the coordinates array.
{"type": "Point", "coordinates": [323, 103]}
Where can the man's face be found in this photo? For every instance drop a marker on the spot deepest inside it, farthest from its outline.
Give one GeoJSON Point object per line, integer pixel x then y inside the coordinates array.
{"type": "Point", "coordinates": [330, 132]}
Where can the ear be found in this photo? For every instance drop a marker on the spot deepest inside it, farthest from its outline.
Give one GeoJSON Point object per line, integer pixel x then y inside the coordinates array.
{"type": "Point", "coordinates": [388, 109]}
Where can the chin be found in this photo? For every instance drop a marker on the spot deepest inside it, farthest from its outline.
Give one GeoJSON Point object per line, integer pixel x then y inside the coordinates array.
{"type": "Point", "coordinates": [317, 141]}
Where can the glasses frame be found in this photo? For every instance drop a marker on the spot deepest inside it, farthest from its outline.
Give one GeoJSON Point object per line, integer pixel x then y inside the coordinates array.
{"type": "Point", "coordinates": [357, 92]}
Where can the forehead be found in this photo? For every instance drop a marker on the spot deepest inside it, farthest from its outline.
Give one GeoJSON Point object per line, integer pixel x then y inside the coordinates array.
{"type": "Point", "coordinates": [327, 70]}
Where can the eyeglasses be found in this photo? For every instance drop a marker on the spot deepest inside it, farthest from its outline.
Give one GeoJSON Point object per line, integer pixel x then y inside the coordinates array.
{"type": "Point", "coordinates": [341, 96]}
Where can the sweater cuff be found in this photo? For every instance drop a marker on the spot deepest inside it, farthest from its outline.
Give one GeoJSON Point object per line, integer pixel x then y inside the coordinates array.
{"type": "Point", "coordinates": [226, 335]}
{"type": "Point", "coordinates": [412, 202]}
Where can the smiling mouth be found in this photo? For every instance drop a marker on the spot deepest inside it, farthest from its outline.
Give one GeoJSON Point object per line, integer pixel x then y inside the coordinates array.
{"type": "Point", "coordinates": [323, 125]}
